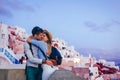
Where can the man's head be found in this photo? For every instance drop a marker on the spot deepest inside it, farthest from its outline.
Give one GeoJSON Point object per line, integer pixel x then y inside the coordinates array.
{"type": "Point", "coordinates": [37, 32]}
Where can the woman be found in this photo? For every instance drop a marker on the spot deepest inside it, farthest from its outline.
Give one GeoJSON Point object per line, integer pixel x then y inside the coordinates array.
{"type": "Point", "coordinates": [53, 54]}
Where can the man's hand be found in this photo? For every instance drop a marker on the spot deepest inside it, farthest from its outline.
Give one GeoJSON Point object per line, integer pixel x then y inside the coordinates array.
{"type": "Point", "coordinates": [29, 38]}
{"type": "Point", "coordinates": [49, 62]}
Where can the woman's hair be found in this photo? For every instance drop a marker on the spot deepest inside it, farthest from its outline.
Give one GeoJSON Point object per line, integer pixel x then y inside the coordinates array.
{"type": "Point", "coordinates": [49, 36]}
{"type": "Point", "coordinates": [49, 42]}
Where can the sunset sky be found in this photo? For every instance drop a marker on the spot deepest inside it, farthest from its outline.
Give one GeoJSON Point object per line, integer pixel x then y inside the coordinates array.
{"type": "Point", "coordinates": [81, 23]}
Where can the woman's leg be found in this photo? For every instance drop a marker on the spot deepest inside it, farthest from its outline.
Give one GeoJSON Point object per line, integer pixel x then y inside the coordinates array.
{"type": "Point", "coordinates": [47, 71]}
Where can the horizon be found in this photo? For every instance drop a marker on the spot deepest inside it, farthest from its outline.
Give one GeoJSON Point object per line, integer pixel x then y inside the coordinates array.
{"type": "Point", "coordinates": [82, 24]}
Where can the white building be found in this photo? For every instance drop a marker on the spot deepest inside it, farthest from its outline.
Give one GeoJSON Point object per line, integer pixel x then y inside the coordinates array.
{"type": "Point", "coordinates": [3, 35]}
{"type": "Point", "coordinates": [11, 43]}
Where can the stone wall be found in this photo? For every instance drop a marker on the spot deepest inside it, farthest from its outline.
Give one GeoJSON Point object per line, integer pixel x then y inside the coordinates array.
{"type": "Point", "coordinates": [12, 74]}
{"type": "Point", "coordinates": [19, 74]}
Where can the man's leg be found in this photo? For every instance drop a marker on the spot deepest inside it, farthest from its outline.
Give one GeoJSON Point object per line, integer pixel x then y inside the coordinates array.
{"type": "Point", "coordinates": [31, 73]}
{"type": "Point", "coordinates": [40, 71]}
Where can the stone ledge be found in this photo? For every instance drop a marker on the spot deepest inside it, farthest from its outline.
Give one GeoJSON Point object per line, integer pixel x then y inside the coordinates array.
{"type": "Point", "coordinates": [19, 74]}
{"type": "Point", "coordinates": [12, 74]}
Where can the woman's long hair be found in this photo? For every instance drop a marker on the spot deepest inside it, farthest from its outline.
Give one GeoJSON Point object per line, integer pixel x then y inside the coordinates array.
{"type": "Point", "coordinates": [49, 42]}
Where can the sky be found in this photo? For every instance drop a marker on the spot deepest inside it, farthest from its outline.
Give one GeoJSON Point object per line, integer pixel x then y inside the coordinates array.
{"type": "Point", "coordinates": [81, 23]}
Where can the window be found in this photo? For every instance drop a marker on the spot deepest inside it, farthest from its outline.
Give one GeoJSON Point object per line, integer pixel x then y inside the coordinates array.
{"type": "Point", "coordinates": [3, 35]}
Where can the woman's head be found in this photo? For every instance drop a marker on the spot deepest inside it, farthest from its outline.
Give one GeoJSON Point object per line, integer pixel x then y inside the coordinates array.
{"type": "Point", "coordinates": [47, 37]}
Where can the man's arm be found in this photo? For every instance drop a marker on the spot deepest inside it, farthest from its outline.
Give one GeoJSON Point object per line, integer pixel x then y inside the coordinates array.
{"type": "Point", "coordinates": [28, 53]}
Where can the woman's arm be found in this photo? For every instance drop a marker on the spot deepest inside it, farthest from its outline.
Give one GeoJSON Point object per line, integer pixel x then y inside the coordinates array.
{"type": "Point", "coordinates": [56, 56]}
{"type": "Point", "coordinates": [40, 44]}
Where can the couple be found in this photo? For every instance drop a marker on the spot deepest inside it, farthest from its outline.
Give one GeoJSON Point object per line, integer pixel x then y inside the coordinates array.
{"type": "Point", "coordinates": [42, 58]}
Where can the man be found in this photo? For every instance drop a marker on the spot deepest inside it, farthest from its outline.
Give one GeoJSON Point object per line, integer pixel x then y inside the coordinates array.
{"type": "Point", "coordinates": [33, 68]}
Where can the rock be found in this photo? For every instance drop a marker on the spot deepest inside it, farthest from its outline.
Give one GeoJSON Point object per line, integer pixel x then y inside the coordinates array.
{"type": "Point", "coordinates": [64, 75]}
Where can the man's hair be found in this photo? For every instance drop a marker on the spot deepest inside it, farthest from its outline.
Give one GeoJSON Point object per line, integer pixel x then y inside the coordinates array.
{"type": "Point", "coordinates": [36, 30]}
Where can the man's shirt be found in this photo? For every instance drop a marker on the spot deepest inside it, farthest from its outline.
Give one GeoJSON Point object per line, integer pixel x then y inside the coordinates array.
{"type": "Point", "coordinates": [32, 58]}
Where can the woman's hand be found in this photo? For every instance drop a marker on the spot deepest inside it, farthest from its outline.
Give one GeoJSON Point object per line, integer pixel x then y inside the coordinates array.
{"type": "Point", "coordinates": [29, 38]}
{"type": "Point", "coordinates": [53, 61]}
{"type": "Point", "coordinates": [49, 62]}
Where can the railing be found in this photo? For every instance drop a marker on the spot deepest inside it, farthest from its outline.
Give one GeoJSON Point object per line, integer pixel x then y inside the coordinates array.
{"type": "Point", "coordinates": [9, 56]}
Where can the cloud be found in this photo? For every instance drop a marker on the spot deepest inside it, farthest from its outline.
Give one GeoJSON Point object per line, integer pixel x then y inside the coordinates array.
{"type": "Point", "coordinates": [6, 7]}
{"type": "Point", "coordinates": [105, 27]}
{"type": "Point", "coordinates": [116, 22]}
